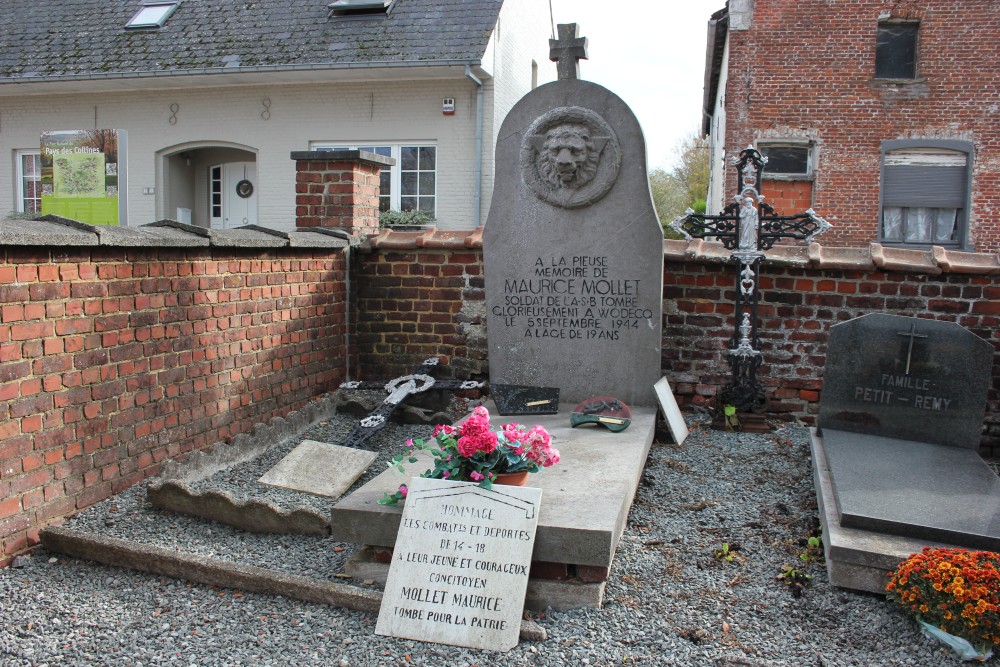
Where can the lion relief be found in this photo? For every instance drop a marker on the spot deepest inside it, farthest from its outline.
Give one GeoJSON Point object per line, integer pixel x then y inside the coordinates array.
{"type": "Point", "coordinates": [570, 157]}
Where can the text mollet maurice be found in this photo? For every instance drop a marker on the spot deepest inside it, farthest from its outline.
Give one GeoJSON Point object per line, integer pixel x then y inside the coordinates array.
{"type": "Point", "coordinates": [903, 390]}
{"type": "Point", "coordinates": [572, 298]}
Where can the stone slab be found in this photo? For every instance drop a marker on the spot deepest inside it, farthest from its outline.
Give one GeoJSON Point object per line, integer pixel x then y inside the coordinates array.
{"type": "Point", "coordinates": [319, 468]}
{"type": "Point", "coordinates": [540, 595]}
{"type": "Point", "coordinates": [587, 495]}
{"type": "Point", "coordinates": [856, 559]}
{"type": "Point", "coordinates": [460, 565]}
{"type": "Point", "coordinates": [218, 572]}
{"type": "Point", "coordinates": [906, 378]}
{"type": "Point", "coordinates": [671, 411]}
{"type": "Point", "coordinates": [914, 489]}
{"type": "Point", "coordinates": [574, 266]}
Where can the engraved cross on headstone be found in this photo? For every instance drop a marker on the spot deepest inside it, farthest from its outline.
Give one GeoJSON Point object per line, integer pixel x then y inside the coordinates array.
{"type": "Point", "coordinates": [748, 227]}
{"type": "Point", "coordinates": [567, 51]}
{"type": "Point", "coordinates": [912, 333]}
{"type": "Point", "coordinates": [399, 390]}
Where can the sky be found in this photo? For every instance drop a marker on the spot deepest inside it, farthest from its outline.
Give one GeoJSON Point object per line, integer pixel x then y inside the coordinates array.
{"type": "Point", "coordinates": [652, 55]}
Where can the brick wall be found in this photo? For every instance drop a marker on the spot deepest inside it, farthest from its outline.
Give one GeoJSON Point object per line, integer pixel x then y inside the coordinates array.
{"type": "Point", "coordinates": [418, 295]}
{"type": "Point", "coordinates": [805, 69]}
{"type": "Point", "coordinates": [113, 361]}
{"type": "Point", "coordinates": [800, 301]}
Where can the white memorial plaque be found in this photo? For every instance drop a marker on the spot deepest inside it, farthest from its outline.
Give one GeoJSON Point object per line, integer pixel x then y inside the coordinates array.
{"type": "Point", "coordinates": [460, 566]}
{"type": "Point", "coordinates": [672, 413]}
{"type": "Point", "coordinates": [319, 468]}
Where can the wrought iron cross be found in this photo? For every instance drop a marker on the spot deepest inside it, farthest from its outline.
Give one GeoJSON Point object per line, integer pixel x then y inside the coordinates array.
{"type": "Point", "coordinates": [748, 226]}
{"type": "Point", "coordinates": [399, 390]}
{"type": "Point", "coordinates": [567, 51]}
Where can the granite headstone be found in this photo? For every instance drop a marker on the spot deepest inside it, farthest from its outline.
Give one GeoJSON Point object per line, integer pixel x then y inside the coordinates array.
{"type": "Point", "coordinates": [573, 249]}
{"type": "Point", "coordinates": [906, 378]}
{"type": "Point", "coordinates": [896, 451]}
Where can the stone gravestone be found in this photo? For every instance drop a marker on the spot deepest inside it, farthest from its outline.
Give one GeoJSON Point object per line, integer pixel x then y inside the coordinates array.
{"type": "Point", "coordinates": [459, 570]}
{"type": "Point", "coordinates": [573, 249]}
{"type": "Point", "coordinates": [895, 456]}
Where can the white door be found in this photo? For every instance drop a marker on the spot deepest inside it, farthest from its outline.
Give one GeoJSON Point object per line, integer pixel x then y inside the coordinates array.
{"type": "Point", "coordinates": [236, 204]}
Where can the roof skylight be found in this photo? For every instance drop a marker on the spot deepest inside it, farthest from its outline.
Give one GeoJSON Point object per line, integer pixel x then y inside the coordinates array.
{"type": "Point", "coordinates": [152, 14]}
{"type": "Point", "coordinates": [358, 7]}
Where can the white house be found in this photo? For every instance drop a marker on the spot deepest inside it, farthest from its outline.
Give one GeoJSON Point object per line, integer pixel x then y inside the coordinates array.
{"type": "Point", "coordinates": [211, 94]}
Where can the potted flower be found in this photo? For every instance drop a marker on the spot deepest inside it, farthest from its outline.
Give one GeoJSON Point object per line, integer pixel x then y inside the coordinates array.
{"type": "Point", "coordinates": [954, 594]}
{"type": "Point", "coordinates": [473, 452]}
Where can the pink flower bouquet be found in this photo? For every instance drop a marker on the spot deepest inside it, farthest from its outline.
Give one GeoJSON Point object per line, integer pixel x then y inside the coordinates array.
{"type": "Point", "coordinates": [473, 452]}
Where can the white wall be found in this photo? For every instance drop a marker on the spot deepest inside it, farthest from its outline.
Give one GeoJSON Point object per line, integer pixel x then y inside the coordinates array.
{"type": "Point", "coordinates": [386, 111]}
{"type": "Point", "coordinates": [716, 199]}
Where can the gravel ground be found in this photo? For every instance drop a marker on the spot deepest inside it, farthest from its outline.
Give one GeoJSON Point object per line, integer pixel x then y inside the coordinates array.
{"type": "Point", "coordinates": [672, 598]}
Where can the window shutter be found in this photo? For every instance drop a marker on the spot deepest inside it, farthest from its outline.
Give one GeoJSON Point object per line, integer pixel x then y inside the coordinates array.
{"type": "Point", "coordinates": [942, 187]}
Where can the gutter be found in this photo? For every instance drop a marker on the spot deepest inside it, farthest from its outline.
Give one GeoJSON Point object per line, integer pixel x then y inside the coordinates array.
{"type": "Point", "coordinates": [478, 196]}
{"type": "Point", "coordinates": [208, 71]}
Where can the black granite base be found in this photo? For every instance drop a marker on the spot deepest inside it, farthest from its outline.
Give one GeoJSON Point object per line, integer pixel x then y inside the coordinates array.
{"type": "Point", "coordinates": [914, 489]}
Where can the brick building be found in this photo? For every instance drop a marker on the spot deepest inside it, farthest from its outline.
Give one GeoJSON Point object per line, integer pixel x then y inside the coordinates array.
{"type": "Point", "coordinates": [881, 115]}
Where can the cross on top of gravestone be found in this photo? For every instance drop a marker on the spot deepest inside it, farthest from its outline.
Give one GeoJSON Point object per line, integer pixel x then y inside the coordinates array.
{"type": "Point", "coordinates": [567, 51]}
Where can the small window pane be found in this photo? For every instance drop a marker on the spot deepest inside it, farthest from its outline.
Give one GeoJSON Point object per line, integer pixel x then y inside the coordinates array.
{"type": "Point", "coordinates": [426, 183]}
{"type": "Point", "coordinates": [946, 225]}
{"type": "Point", "coordinates": [428, 156]}
{"type": "Point", "coordinates": [385, 182]}
{"type": "Point", "coordinates": [892, 223]}
{"type": "Point", "coordinates": [408, 158]}
{"type": "Point", "coordinates": [918, 225]}
{"type": "Point", "coordinates": [786, 159]}
{"type": "Point", "coordinates": [427, 205]}
{"type": "Point", "coordinates": [409, 185]}
{"type": "Point", "coordinates": [896, 51]}
{"type": "Point", "coordinates": [407, 203]}
{"type": "Point", "coordinates": [384, 203]}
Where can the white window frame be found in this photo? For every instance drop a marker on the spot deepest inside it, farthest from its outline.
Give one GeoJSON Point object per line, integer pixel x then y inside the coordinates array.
{"type": "Point", "coordinates": [19, 154]}
{"type": "Point", "coordinates": [396, 170]}
{"type": "Point", "coordinates": [152, 14]}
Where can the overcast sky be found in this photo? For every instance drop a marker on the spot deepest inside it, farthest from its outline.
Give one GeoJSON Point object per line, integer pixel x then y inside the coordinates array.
{"type": "Point", "coordinates": [651, 53]}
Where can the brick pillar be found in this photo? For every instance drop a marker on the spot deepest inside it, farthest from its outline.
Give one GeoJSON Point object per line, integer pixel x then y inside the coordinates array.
{"type": "Point", "coordinates": [338, 189]}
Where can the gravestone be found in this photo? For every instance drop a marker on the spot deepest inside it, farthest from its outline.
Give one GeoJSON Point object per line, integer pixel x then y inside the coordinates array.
{"type": "Point", "coordinates": [319, 468]}
{"type": "Point", "coordinates": [573, 249]}
{"type": "Point", "coordinates": [460, 567]}
{"type": "Point", "coordinates": [895, 456]}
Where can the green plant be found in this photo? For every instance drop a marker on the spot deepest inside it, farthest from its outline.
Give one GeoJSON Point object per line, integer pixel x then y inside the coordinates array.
{"type": "Point", "coordinates": [474, 453]}
{"type": "Point", "coordinates": [814, 548]}
{"type": "Point", "coordinates": [796, 580]}
{"type": "Point", "coordinates": [405, 218]}
{"type": "Point", "coordinates": [727, 552]}
{"type": "Point", "coordinates": [956, 590]}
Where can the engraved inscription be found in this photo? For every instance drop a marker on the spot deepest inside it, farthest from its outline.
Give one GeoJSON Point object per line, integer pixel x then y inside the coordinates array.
{"type": "Point", "coordinates": [903, 390]}
{"type": "Point", "coordinates": [573, 298]}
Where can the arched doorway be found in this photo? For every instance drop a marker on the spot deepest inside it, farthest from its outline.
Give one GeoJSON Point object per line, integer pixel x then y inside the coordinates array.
{"type": "Point", "coordinates": [208, 184]}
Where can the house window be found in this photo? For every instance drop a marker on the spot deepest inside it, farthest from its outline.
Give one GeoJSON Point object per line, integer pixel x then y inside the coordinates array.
{"type": "Point", "coordinates": [787, 160]}
{"type": "Point", "coordinates": [29, 181]}
{"type": "Point", "coordinates": [152, 15]}
{"type": "Point", "coordinates": [896, 51]}
{"type": "Point", "coordinates": [925, 192]}
{"type": "Point", "coordinates": [408, 185]}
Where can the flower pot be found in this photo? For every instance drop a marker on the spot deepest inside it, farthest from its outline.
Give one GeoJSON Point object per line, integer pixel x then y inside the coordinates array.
{"type": "Point", "coordinates": [512, 478]}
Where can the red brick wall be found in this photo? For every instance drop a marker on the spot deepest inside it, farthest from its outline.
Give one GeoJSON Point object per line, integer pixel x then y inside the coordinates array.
{"type": "Point", "coordinates": [805, 68]}
{"type": "Point", "coordinates": [788, 197]}
{"type": "Point", "coordinates": [797, 308]}
{"type": "Point", "coordinates": [113, 361]}
{"type": "Point", "coordinates": [411, 303]}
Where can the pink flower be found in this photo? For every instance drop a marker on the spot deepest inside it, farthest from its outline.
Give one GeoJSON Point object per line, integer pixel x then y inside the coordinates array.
{"type": "Point", "coordinates": [469, 445]}
{"type": "Point", "coordinates": [552, 458]}
{"type": "Point", "coordinates": [443, 428]}
{"type": "Point", "coordinates": [519, 450]}
{"type": "Point", "coordinates": [513, 432]}
{"type": "Point", "coordinates": [476, 476]}
{"type": "Point", "coordinates": [447, 474]}
{"type": "Point", "coordinates": [403, 489]}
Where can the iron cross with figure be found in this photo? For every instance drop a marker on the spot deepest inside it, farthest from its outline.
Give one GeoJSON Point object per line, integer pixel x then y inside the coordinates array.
{"type": "Point", "coordinates": [748, 226]}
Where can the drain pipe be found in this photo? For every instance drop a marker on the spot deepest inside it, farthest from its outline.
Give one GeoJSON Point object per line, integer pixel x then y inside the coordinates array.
{"type": "Point", "coordinates": [351, 242]}
{"type": "Point", "coordinates": [479, 144]}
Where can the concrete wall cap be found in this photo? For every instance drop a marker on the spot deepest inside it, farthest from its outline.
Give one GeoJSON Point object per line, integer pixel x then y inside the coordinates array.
{"type": "Point", "coordinates": [907, 260]}
{"type": "Point", "coordinates": [52, 230]}
{"type": "Point", "coordinates": [344, 156]}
